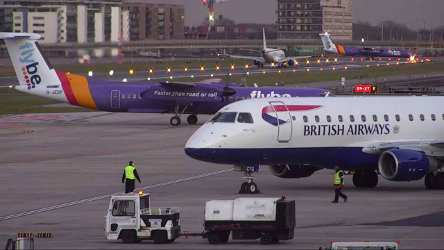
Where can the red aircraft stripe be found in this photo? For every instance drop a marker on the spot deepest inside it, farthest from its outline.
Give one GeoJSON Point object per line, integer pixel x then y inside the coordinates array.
{"type": "Point", "coordinates": [281, 108]}
{"type": "Point", "coordinates": [67, 88]}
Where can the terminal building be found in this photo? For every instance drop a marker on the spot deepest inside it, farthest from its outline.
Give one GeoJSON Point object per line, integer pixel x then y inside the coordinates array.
{"type": "Point", "coordinates": [60, 21]}
{"type": "Point", "coordinates": [305, 19]}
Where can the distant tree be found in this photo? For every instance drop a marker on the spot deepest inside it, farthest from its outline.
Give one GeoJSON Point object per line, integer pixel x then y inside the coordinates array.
{"type": "Point", "coordinates": [392, 31]}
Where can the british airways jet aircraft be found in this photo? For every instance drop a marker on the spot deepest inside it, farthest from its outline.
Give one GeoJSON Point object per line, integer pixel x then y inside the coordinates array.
{"type": "Point", "coordinates": [369, 53]}
{"type": "Point", "coordinates": [36, 76]}
{"type": "Point", "coordinates": [402, 138]}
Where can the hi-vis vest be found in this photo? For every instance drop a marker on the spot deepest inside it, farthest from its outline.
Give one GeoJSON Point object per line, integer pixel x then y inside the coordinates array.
{"type": "Point", "coordinates": [338, 180]}
{"type": "Point", "coordinates": [129, 173]}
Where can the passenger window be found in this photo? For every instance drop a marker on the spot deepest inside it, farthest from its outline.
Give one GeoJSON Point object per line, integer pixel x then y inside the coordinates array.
{"type": "Point", "coordinates": [352, 118]}
{"type": "Point", "coordinates": [230, 98]}
{"type": "Point", "coordinates": [340, 118]}
{"type": "Point", "coordinates": [305, 119]}
{"type": "Point", "coordinates": [317, 118]}
{"type": "Point", "coordinates": [123, 96]}
{"type": "Point", "coordinates": [411, 118]}
{"type": "Point", "coordinates": [140, 97]}
{"type": "Point", "coordinates": [375, 118]}
{"type": "Point", "coordinates": [386, 118]}
{"type": "Point", "coordinates": [245, 118]}
{"type": "Point", "coordinates": [433, 117]}
{"type": "Point", "coordinates": [363, 118]}
{"type": "Point", "coordinates": [421, 117]}
{"type": "Point", "coordinates": [123, 208]}
{"type": "Point", "coordinates": [134, 96]}
{"type": "Point", "coordinates": [328, 118]}
{"type": "Point", "coordinates": [243, 97]}
{"type": "Point", "coordinates": [237, 98]}
{"type": "Point", "coordinates": [398, 118]}
{"type": "Point", "coordinates": [226, 117]}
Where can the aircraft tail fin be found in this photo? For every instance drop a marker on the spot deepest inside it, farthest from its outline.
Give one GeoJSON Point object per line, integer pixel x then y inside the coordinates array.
{"type": "Point", "coordinates": [31, 66]}
{"type": "Point", "coordinates": [264, 38]}
{"type": "Point", "coordinates": [328, 43]}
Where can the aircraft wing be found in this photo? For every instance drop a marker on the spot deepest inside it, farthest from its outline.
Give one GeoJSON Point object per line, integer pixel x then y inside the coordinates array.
{"type": "Point", "coordinates": [294, 58]}
{"type": "Point", "coordinates": [181, 85]}
{"type": "Point", "coordinates": [433, 148]}
{"type": "Point", "coordinates": [259, 59]}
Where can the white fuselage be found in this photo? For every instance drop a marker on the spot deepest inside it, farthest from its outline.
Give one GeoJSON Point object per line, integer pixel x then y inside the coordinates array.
{"type": "Point", "coordinates": [273, 55]}
{"type": "Point", "coordinates": [318, 131]}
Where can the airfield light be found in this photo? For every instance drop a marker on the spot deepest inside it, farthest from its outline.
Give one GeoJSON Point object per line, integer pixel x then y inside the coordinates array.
{"type": "Point", "coordinates": [11, 87]}
{"type": "Point", "coordinates": [336, 60]}
{"type": "Point", "coordinates": [345, 68]}
{"type": "Point", "coordinates": [111, 72]}
{"type": "Point", "coordinates": [353, 59]}
{"type": "Point", "coordinates": [327, 60]}
{"type": "Point", "coordinates": [90, 73]}
{"type": "Point", "coordinates": [319, 61]}
{"type": "Point", "coordinates": [263, 72]}
{"type": "Point", "coordinates": [185, 69]}
{"type": "Point", "coordinates": [397, 63]}
{"type": "Point", "coordinates": [371, 59]}
{"type": "Point", "coordinates": [171, 77]}
{"type": "Point", "coordinates": [422, 60]}
{"type": "Point", "coordinates": [368, 66]}
{"type": "Point", "coordinates": [131, 71]}
{"type": "Point", "coordinates": [230, 74]}
{"type": "Point", "coordinates": [380, 59]}
{"type": "Point", "coordinates": [388, 64]}
{"type": "Point", "coordinates": [247, 66]}
{"type": "Point", "coordinates": [285, 63]}
{"type": "Point", "coordinates": [151, 71]}
{"type": "Point", "coordinates": [334, 68]}
{"type": "Point", "coordinates": [362, 59]}
{"type": "Point", "coordinates": [378, 65]}
{"type": "Point", "coordinates": [212, 75]}
{"type": "Point", "coordinates": [217, 68]}
{"type": "Point", "coordinates": [308, 70]}
{"type": "Point", "coordinates": [202, 68]}
{"type": "Point", "coordinates": [192, 76]}
{"type": "Point", "coordinates": [149, 79]}
{"type": "Point", "coordinates": [124, 80]}
{"type": "Point", "coordinates": [308, 62]}
{"type": "Point", "coordinates": [280, 72]}
{"type": "Point", "coordinates": [297, 63]}
{"type": "Point", "coordinates": [211, 17]}
{"type": "Point", "coordinates": [294, 70]}
{"type": "Point", "coordinates": [232, 67]}
{"type": "Point", "coordinates": [169, 70]}
{"type": "Point", "coordinates": [322, 69]}
{"type": "Point", "coordinates": [272, 64]}
{"type": "Point", "coordinates": [390, 58]}
{"type": "Point", "coordinates": [141, 192]}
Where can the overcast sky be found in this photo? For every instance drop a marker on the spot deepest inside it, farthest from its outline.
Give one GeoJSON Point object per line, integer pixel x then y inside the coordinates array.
{"type": "Point", "coordinates": [411, 12]}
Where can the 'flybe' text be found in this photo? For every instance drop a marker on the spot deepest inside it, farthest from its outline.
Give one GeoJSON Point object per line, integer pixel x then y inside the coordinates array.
{"type": "Point", "coordinates": [30, 70]}
{"type": "Point", "coordinates": [354, 129]}
{"type": "Point", "coordinates": [259, 94]}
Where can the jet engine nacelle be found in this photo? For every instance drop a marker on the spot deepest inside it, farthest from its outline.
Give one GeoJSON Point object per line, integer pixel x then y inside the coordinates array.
{"type": "Point", "coordinates": [291, 62]}
{"type": "Point", "coordinates": [405, 165]}
{"type": "Point", "coordinates": [292, 171]}
{"type": "Point", "coordinates": [257, 63]}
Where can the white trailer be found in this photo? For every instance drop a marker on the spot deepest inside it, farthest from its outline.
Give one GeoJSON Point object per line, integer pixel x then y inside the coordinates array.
{"type": "Point", "coordinates": [270, 219]}
{"type": "Point", "coordinates": [131, 219]}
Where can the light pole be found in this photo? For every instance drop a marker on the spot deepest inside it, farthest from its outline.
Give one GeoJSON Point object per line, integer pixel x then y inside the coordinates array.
{"type": "Point", "coordinates": [382, 29]}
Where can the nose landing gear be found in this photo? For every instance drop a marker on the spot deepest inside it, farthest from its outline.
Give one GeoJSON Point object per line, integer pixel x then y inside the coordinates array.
{"type": "Point", "coordinates": [248, 187]}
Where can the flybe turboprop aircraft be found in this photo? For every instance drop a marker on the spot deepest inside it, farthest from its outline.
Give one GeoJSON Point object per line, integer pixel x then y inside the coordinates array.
{"type": "Point", "coordinates": [36, 76]}
{"type": "Point", "coordinates": [400, 137]}
{"type": "Point", "coordinates": [369, 53]}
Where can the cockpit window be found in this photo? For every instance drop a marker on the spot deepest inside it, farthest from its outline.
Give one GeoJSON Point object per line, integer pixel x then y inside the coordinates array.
{"type": "Point", "coordinates": [245, 118]}
{"type": "Point", "coordinates": [227, 117]}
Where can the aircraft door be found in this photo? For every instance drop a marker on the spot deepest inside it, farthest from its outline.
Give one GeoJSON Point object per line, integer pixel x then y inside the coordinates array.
{"type": "Point", "coordinates": [115, 99]}
{"type": "Point", "coordinates": [284, 121]}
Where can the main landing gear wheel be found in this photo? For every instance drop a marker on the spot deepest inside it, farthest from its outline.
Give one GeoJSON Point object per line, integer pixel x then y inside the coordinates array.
{"type": "Point", "coordinates": [192, 119]}
{"type": "Point", "coordinates": [365, 179]}
{"type": "Point", "coordinates": [429, 181]}
{"type": "Point", "coordinates": [175, 121]}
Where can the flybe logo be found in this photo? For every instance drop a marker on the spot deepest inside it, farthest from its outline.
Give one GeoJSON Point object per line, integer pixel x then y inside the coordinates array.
{"type": "Point", "coordinates": [327, 42]}
{"type": "Point", "coordinates": [259, 94]}
{"type": "Point", "coordinates": [30, 70]}
{"type": "Point", "coordinates": [356, 129]}
{"type": "Point", "coordinates": [394, 52]}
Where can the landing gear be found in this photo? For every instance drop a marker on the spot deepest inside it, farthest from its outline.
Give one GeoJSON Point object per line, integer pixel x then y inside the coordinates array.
{"type": "Point", "coordinates": [434, 180]}
{"type": "Point", "coordinates": [248, 187]}
{"type": "Point", "coordinates": [192, 119]}
{"type": "Point", "coordinates": [365, 179]}
{"type": "Point", "coordinates": [175, 120]}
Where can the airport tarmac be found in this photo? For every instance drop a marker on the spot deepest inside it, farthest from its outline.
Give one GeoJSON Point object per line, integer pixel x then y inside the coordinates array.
{"type": "Point", "coordinates": [159, 75]}
{"type": "Point", "coordinates": [58, 171]}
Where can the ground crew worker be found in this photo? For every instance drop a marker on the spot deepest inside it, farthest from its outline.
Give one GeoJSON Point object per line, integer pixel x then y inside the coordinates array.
{"type": "Point", "coordinates": [129, 177]}
{"type": "Point", "coordinates": [339, 183]}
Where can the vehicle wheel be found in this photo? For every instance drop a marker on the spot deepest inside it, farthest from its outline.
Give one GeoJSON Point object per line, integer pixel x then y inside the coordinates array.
{"type": "Point", "coordinates": [266, 239]}
{"type": "Point", "coordinates": [128, 236]}
{"type": "Point", "coordinates": [251, 188]}
{"type": "Point", "coordinates": [429, 181]}
{"type": "Point", "coordinates": [213, 238]}
{"type": "Point", "coordinates": [160, 237]}
{"type": "Point", "coordinates": [223, 237]}
{"type": "Point", "coordinates": [370, 178]}
{"type": "Point", "coordinates": [175, 121]}
{"type": "Point", "coordinates": [243, 188]}
{"type": "Point", "coordinates": [192, 119]}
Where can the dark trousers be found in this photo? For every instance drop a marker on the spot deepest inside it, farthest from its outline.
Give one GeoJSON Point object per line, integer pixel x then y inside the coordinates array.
{"type": "Point", "coordinates": [129, 185]}
{"type": "Point", "coordinates": [338, 192]}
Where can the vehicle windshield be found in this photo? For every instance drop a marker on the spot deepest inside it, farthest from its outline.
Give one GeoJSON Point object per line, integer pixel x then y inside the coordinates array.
{"type": "Point", "coordinates": [226, 117]}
